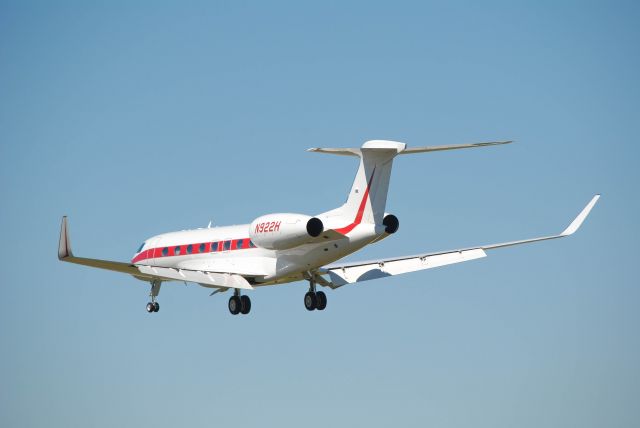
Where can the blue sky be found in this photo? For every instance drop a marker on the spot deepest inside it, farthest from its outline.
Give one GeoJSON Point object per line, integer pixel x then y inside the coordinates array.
{"type": "Point", "coordinates": [135, 119]}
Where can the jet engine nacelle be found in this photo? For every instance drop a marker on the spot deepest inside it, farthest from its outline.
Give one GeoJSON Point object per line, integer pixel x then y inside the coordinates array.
{"type": "Point", "coordinates": [391, 223]}
{"type": "Point", "coordinates": [284, 231]}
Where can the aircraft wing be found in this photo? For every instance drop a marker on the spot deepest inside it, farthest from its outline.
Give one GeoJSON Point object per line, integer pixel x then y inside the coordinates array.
{"type": "Point", "coordinates": [149, 273]}
{"type": "Point", "coordinates": [349, 273]}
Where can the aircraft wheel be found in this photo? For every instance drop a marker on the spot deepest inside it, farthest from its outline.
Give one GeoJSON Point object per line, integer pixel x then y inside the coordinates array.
{"type": "Point", "coordinates": [156, 306]}
{"type": "Point", "coordinates": [310, 301]}
{"type": "Point", "coordinates": [234, 305]}
{"type": "Point", "coordinates": [245, 304]}
{"type": "Point", "coordinates": [150, 307]}
{"type": "Point", "coordinates": [322, 300]}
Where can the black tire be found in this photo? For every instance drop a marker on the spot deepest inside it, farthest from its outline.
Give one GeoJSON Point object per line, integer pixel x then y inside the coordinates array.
{"type": "Point", "coordinates": [245, 305]}
{"type": "Point", "coordinates": [310, 301]}
{"type": "Point", "coordinates": [156, 306]}
{"type": "Point", "coordinates": [322, 300]}
{"type": "Point", "coordinates": [234, 305]}
{"type": "Point", "coordinates": [150, 307]}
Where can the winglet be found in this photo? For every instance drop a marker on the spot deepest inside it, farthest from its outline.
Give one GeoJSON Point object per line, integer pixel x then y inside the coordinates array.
{"type": "Point", "coordinates": [577, 222]}
{"type": "Point", "coordinates": [64, 245]}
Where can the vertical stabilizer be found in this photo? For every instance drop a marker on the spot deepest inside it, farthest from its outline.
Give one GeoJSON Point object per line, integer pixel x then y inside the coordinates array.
{"type": "Point", "coordinates": [368, 196]}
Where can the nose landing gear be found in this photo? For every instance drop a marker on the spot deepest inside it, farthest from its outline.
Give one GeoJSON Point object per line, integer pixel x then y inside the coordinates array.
{"type": "Point", "coordinates": [153, 306]}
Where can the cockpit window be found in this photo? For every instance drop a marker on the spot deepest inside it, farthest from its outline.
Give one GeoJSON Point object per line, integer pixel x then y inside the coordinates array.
{"type": "Point", "coordinates": [141, 247]}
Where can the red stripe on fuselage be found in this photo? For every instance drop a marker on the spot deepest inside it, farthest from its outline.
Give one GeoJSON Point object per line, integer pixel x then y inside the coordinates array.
{"type": "Point", "coordinates": [360, 213]}
{"type": "Point", "coordinates": [210, 247]}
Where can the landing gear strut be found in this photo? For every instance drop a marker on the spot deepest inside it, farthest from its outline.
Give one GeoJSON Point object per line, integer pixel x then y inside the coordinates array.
{"type": "Point", "coordinates": [239, 304]}
{"type": "Point", "coordinates": [153, 306]}
{"type": "Point", "coordinates": [314, 299]}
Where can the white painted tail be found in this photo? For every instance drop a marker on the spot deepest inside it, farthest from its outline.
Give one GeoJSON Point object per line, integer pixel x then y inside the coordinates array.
{"type": "Point", "coordinates": [368, 196]}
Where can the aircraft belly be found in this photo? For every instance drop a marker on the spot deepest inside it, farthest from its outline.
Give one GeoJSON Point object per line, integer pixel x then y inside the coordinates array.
{"type": "Point", "coordinates": [245, 265]}
{"type": "Point", "coordinates": [291, 263]}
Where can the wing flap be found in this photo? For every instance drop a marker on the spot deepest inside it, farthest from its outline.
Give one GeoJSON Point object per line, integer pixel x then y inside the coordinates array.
{"type": "Point", "coordinates": [364, 272]}
{"type": "Point", "coordinates": [211, 279]}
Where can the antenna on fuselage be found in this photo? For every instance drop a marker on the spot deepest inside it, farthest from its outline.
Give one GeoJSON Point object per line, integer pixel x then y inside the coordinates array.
{"type": "Point", "coordinates": [209, 226]}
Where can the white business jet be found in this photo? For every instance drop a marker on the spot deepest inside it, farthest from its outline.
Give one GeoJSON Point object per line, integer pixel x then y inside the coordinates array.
{"type": "Point", "coordinates": [285, 247]}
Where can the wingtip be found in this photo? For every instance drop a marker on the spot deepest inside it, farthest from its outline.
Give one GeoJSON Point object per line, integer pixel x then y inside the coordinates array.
{"type": "Point", "coordinates": [64, 245]}
{"type": "Point", "coordinates": [577, 222]}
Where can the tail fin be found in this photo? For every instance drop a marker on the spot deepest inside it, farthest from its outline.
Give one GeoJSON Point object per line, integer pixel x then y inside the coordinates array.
{"type": "Point", "coordinates": [368, 196]}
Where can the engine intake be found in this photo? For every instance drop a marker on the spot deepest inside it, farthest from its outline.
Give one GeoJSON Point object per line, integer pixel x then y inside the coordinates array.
{"type": "Point", "coordinates": [315, 227]}
{"type": "Point", "coordinates": [391, 223]}
{"type": "Point", "coordinates": [284, 231]}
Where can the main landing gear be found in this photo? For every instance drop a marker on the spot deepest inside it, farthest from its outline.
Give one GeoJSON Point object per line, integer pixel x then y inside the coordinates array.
{"type": "Point", "coordinates": [153, 306]}
{"type": "Point", "coordinates": [315, 299]}
{"type": "Point", "coordinates": [239, 304]}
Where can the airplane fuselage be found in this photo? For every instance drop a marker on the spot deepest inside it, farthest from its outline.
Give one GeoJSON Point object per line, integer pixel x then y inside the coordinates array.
{"type": "Point", "coordinates": [230, 249]}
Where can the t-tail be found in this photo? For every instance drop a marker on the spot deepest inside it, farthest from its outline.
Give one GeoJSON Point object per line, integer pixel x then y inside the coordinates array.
{"type": "Point", "coordinates": [368, 196]}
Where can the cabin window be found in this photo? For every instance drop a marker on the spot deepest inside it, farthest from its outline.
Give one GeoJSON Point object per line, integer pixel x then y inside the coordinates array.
{"type": "Point", "coordinates": [176, 251]}
{"type": "Point", "coordinates": [227, 245]}
{"type": "Point", "coordinates": [189, 248]}
{"type": "Point", "coordinates": [214, 246]}
{"type": "Point", "coordinates": [240, 244]}
{"type": "Point", "coordinates": [201, 248]}
{"type": "Point", "coordinates": [165, 251]}
{"type": "Point", "coordinates": [251, 244]}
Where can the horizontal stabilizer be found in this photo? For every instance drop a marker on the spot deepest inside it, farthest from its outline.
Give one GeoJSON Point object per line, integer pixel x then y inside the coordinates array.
{"type": "Point", "coordinates": [400, 148]}
{"type": "Point", "coordinates": [411, 150]}
{"type": "Point", "coordinates": [341, 152]}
